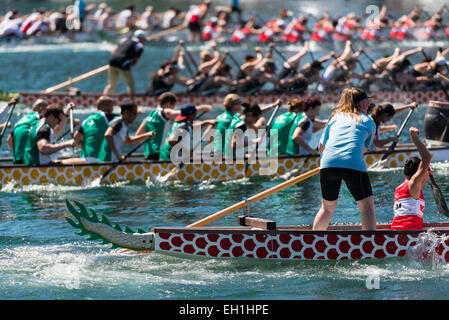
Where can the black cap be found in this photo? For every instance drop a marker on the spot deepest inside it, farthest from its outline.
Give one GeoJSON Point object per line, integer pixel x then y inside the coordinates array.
{"type": "Point", "coordinates": [359, 96]}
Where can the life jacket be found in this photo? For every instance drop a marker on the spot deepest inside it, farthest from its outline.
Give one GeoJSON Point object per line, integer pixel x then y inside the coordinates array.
{"type": "Point", "coordinates": [408, 212]}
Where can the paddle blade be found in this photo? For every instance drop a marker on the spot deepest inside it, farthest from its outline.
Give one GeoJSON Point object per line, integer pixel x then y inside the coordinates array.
{"type": "Point", "coordinates": [438, 196]}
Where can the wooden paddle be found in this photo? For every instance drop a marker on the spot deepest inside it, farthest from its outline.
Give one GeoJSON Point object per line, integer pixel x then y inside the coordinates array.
{"type": "Point", "coordinates": [13, 102]}
{"type": "Point", "coordinates": [254, 198]}
{"type": "Point", "coordinates": [438, 196]}
{"type": "Point", "coordinates": [76, 79]}
{"type": "Point", "coordinates": [393, 145]}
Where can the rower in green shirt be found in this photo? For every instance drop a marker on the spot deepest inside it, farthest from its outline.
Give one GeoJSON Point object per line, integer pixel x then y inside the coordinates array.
{"type": "Point", "coordinates": [230, 116]}
{"type": "Point", "coordinates": [309, 104]}
{"type": "Point", "coordinates": [283, 124]}
{"type": "Point", "coordinates": [160, 122]}
{"type": "Point", "coordinates": [89, 137]}
{"type": "Point", "coordinates": [182, 132]}
{"type": "Point", "coordinates": [18, 137]}
{"type": "Point", "coordinates": [117, 134]}
{"type": "Point", "coordinates": [41, 148]}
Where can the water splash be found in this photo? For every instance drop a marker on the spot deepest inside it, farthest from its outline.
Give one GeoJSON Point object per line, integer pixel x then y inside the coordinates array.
{"type": "Point", "coordinates": [427, 248]}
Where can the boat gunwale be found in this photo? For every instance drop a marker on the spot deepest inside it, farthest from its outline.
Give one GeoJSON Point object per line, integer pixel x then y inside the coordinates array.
{"type": "Point", "coordinates": [399, 149]}
{"type": "Point", "coordinates": [383, 229]}
{"type": "Point", "coordinates": [262, 93]}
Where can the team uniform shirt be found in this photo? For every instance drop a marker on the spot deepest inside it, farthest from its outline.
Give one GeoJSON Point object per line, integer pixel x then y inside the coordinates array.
{"type": "Point", "coordinates": [292, 147]}
{"type": "Point", "coordinates": [223, 122]}
{"type": "Point", "coordinates": [178, 130]}
{"type": "Point", "coordinates": [266, 35]}
{"type": "Point", "coordinates": [238, 36]}
{"type": "Point", "coordinates": [344, 29]}
{"type": "Point", "coordinates": [236, 123]}
{"type": "Point", "coordinates": [124, 19]}
{"type": "Point", "coordinates": [408, 212]}
{"type": "Point", "coordinates": [32, 156]}
{"type": "Point", "coordinates": [128, 50]}
{"type": "Point", "coordinates": [157, 123]}
{"type": "Point", "coordinates": [281, 127]}
{"type": "Point", "coordinates": [120, 132]}
{"type": "Point", "coordinates": [93, 130]}
{"type": "Point", "coordinates": [209, 32]}
{"type": "Point", "coordinates": [307, 127]}
{"type": "Point", "coordinates": [345, 138]}
{"type": "Point", "coordinates": [20, 135]}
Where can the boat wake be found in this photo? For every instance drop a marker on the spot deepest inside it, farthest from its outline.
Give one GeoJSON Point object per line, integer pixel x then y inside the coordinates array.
{"type": "Point", "coordinates": [428, 248]}
{"type": "Point", "coordinates": [14, 187]}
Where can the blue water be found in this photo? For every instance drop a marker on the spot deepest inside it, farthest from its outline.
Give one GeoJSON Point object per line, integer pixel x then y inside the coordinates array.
{"type": "Point", "coordinates": [42, 258]}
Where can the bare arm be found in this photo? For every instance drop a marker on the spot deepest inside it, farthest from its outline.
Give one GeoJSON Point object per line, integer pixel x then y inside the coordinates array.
{"type": "Point", "coordinates": [298, 139]}
{"type": "Point", "coordinates": [139, 138]}
{"type": "Point", "coordinates": [419, 178]}
{"type": "Point", "coordinates": [45, 147]}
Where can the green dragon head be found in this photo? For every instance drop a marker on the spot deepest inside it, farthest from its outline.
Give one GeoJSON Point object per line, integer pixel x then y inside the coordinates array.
{"type": "Point", "coordinates": [102, 229]}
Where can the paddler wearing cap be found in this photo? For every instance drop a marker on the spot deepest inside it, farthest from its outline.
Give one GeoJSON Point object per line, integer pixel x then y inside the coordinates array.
{"type": "Point", "coordinates": [123, 57]}
{"type": "Point", "coordinates": [347, 134]}
{"type": "Point", "coordinates": [117, 134]}
{"type": "Point", "coordinates": [182, 132]}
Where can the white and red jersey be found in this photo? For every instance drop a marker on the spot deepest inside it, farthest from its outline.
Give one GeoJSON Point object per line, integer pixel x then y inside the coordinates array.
{"type": "Point", "coordinates": [238, 36]}
{"type": "Point", "coordinates": [196, 12]}
{"type": "Point", "coordinates": [266, 35]}
{"type": "Point", "coordinates": [344, 29]}
{"type": "Point", "coordinates": [32, 18]}
{"type": "Point", "coordinates": [371, 33]}
{"type": "Point", "coordinates": [322, 33]}
{"type": "Point", "coordinates": [209, 31]}
{"type": "Point", "coordinates": [293, 32]}
{"type": "Point", "coordinates": [403, 33]}
{"type": "Point", "coordinates": [408, 212]}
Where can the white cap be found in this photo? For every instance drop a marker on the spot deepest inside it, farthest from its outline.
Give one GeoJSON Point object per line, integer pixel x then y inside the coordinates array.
{"type": "Point", "coordinates": [140, 34]}
{"type": "Point", "coordinates": [441, 61]}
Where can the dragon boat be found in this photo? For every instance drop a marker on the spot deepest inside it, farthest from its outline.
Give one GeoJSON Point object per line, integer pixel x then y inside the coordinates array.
{"type": "Point", "coordinates": [256, 238]}
{"type": "Point", "coordinates": [86, 99]}
{"type": "Point", "coordinates": [436, 123]}
{"type": "Point", "coordinates": [162, 171]}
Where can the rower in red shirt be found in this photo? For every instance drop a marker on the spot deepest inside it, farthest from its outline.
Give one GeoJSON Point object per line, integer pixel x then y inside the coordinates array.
{"type": "Point", "coordinates": [408, 197]}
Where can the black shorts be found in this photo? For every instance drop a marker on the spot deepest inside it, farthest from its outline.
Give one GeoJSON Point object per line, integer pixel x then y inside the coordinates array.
{"type": "Point", "coordinates": [194, 26]}
{"type": "Point", "coordinates": [357, 182]}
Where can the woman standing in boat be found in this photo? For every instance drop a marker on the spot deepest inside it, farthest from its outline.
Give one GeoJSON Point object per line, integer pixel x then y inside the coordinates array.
{"type": "Point", "coordinates": [408, 197]}
{"type": "Point", "coordinates": [348, 132]}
